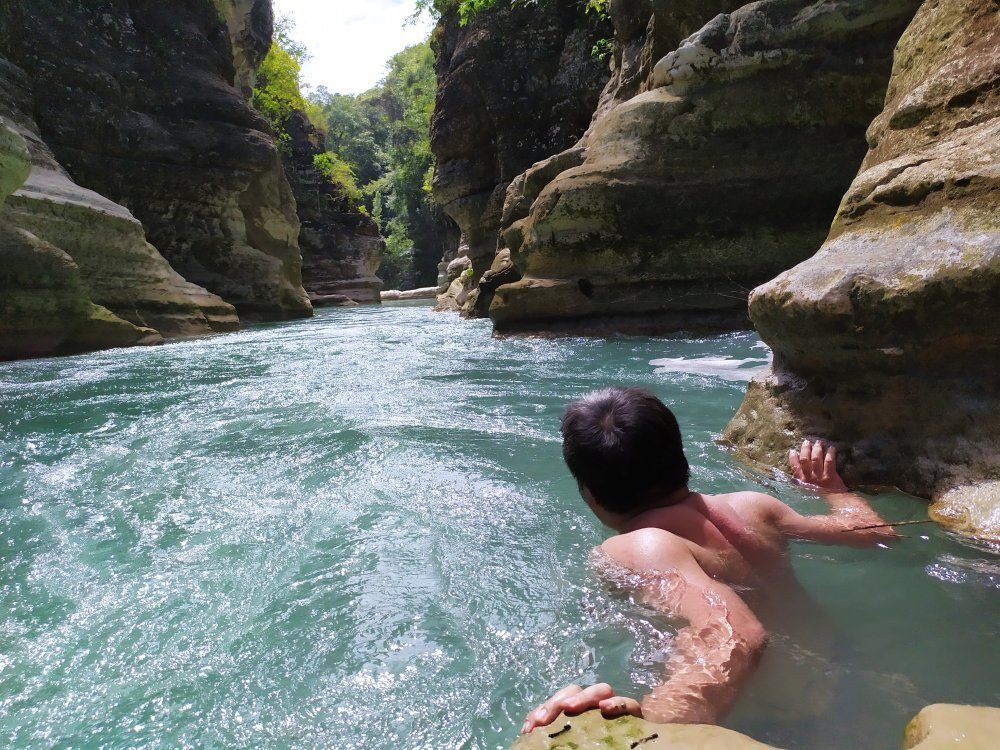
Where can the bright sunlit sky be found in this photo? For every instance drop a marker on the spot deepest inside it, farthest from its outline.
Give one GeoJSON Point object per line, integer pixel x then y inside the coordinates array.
{"type": "Point", "coordinates": [350, 41]}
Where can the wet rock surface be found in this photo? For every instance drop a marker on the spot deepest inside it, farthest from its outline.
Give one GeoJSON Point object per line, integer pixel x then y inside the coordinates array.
{"type": "Point", "coordinates": [887, 338]}
{"type": "Point", "coordinates": [514, 85]}
{"type": "Point", "coordinates": [590, 731]}
{"type": "Point", "coordinates": [138, 102]}
{"type": "Point", "coordinates": [936, 727]}
{"type": "Point", "coordinates": [721, 172]}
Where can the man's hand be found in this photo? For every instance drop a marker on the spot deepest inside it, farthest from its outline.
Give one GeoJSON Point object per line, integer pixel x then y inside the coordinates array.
{"type": "Point", "coordinates": [575, 700]}
{"type": "Point", "coordinates": [813, 467]}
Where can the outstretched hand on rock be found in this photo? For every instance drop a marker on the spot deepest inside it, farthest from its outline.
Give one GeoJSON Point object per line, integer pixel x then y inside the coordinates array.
{"type": "Point", "coordinates": [813, 466]}
{"type": "Point", "coordinates": [575, 700]}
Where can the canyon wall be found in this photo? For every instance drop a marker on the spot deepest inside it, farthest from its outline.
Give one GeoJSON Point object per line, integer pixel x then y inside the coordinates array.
{"type": "Point", "coordinates": [720, 172]}
{"type": "Point", "coordinates": [514, 85]}
{"type": "Point", "coordinates": [138, 102]}
{"type": "Point", "coordinates": [76, 271]}
{"type": "Point", "coordinates": [887, 338]}
{"type": "Point", "coordinates": [341, 247]}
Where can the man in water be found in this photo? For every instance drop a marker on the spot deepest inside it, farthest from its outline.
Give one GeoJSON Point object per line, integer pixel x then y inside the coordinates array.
{"type": "Point", "coordinates": [684, 550]}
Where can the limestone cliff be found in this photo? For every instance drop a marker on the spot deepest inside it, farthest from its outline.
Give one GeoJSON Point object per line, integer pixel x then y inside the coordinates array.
{"type": "Point", "coordinates": [721, 172]}
{"type": "Point", "coordinates": [76, 271]}
{"type": "Point", "coordinates": [44, 305]}
{"type": "Point", "coordinates": [341, 247]}
{"type": "Point", "coordinates": [137, 102]}
{"type": "Point", "coordinates": [887, 337]}
{"type": "Point", "coordinates": [514, 85]}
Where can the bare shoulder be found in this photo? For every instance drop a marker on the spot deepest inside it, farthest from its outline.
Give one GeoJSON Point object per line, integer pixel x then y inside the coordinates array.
{"type": "Point", "coordinates": [648, 549]}
{"type": "Point", "coordinates": [758, 503]}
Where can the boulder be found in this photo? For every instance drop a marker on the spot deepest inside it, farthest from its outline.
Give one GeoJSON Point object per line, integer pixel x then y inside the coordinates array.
{"type": "Point", "coordinates": [949, 727]}
{"type": "Point", "coordinates": [722, 171]}
{"type": "Point", "coordinates": [936, 727]}
{"type": "Point", "coordinates": [590, 731]}
{"type": "Point", "coordinates": [886, 339]}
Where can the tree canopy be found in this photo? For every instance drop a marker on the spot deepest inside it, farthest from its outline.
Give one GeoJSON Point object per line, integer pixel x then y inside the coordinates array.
{"type": "Point", "coordinates": [383, 135]}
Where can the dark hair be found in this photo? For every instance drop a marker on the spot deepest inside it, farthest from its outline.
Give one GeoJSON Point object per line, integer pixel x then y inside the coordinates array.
{"type": "Point", "coordinates": [624, 445]}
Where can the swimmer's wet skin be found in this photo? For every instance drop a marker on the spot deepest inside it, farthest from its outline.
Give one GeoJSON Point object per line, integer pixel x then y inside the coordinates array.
{"type": "Point", "coordinates": [684, 549]}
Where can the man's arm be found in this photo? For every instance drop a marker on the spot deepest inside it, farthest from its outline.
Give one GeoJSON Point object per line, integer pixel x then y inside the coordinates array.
{"type": "Point", "coordinates": [712, 656]}
{"type": "Point", "coordinates": [814, 467]}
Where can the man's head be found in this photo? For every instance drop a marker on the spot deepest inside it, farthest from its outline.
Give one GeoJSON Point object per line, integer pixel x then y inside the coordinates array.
{"type": "Point", "coordinates": [624, 446]}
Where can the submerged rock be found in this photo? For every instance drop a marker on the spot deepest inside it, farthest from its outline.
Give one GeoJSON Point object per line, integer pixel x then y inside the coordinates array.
{"type": "Point", "coordinates": [514, 85]}
{"type": "Point", "coordinates": [886, 339]}
{"type": "Point", "coordinates": [138, 102]}
{"type": "Point", "coordinates": [721, 172]}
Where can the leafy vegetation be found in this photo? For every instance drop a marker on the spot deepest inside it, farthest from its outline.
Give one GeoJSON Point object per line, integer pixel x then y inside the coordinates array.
{"type": "Point", "coordinates": [377, 147]}
{"type": "Point", "coordinates": [279, 89]}
{"type": "Point", "coordinates": [467, 9]}
{"type": "Point", "coordinates": [383, 137]}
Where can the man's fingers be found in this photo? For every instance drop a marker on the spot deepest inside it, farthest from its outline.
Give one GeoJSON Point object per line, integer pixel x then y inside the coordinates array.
{"type": "Point", "coordinates": [588, 699]}
{"type": "Point", "coordinates": [805, 460]}
{"type": "Point", "coordinates": [546, 713]}
{"type": "Point", "coordinates": [566, 692]}
{"type": "Point", "coordinates": [817, 457]}
{"type": "Point", "coordinates": [793, 461]}
{"type": "Point", "coordinates": [619, 706]}
{"type": "Point", "coordinates": [830, 463]}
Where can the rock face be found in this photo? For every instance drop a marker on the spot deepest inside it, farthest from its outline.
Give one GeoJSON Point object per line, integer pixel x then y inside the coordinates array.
{"type": "Point", "coordinates": [44, 305]}
{"type": "Point", "coordinates": [514, 85]}
{"type": "Point", "coordinates": [77, 271]}
{"type": "Point", "coordinates": [886, 339]}
{"type": "Point", "coordinates": [137, 102]}
{"type": "Point", "coordinates": [721, 172]}
{"type": "Point", "coordinates": [341, 247]}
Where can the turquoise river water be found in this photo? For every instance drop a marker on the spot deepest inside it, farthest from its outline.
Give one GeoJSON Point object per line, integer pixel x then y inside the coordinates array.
{"type": "Point", "coordinates": [357, 532]}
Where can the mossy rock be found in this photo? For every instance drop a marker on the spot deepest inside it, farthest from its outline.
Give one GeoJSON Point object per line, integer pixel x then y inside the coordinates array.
{"type": "Point", "coordinates": [591, 731]}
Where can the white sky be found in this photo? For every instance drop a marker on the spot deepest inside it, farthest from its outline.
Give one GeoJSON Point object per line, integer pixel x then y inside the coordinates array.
{"type": "Point", "coordinates": [350, 41]}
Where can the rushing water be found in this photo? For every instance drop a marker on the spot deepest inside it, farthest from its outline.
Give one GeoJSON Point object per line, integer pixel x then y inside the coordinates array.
{"type": "Point", "coordinates": [357, 532]}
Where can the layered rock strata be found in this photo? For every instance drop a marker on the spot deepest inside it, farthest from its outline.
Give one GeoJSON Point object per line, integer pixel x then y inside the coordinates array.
{"type": "Point", "coordinates": [886, 339]}
{"type": "Point", "coordinates": [77, 270]}
{"type": "Point", "coordinates": [44, 305]}
{"type": "Point", "coordinates": [514, 85]}
{"type": "Point", "coordinates": [137, 102]}
{"type": "Point", "coordinates": [723, 171]}
{"type": "Point", "coordinates": [341, 247]}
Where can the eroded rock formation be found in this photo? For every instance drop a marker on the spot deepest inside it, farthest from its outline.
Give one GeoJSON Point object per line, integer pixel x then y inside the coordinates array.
{"type": "Point", "coordinates": [44, 305]}
{"type": "Point", "coordinates": [76, 271]}
{"type": "Point", "coordinates": [137, 102]}
{"type": "Point", "coordinates": [341, 247]}
{"type": "Point", "coordinates": [514, 85]}
{"type": "Point", "coordinates": [887, 338]}
{"type": "Point", "coordinates": [721, 172]}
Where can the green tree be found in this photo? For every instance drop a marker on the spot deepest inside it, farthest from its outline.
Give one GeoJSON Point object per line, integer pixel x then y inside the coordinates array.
{"type": "Point", "coordinates": [278, 91]}
{"type": "Point", "coordinates": [384, 136]}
